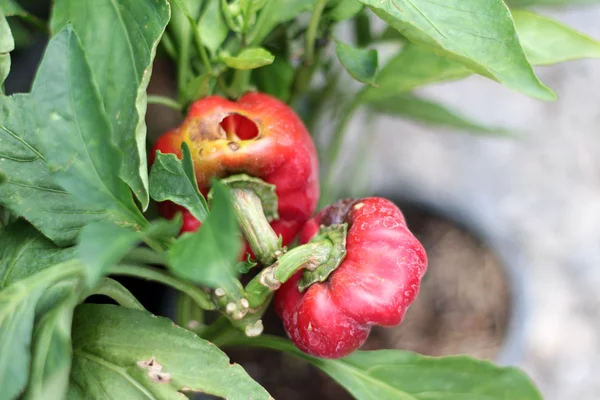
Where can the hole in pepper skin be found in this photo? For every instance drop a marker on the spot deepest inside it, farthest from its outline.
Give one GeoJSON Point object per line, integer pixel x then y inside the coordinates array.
{"type": "Point", "coordinates": [239, 127]}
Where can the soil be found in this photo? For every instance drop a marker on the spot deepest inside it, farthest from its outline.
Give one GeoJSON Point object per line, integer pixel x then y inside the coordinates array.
{"type": "Point", "coordinates": [462, 308]}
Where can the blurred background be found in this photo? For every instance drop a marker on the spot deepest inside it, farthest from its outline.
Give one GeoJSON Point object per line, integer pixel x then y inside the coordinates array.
{"type": "Point", "coordinates": [536, 200]}
{"type": "Point", "coordinates": [511, 225]}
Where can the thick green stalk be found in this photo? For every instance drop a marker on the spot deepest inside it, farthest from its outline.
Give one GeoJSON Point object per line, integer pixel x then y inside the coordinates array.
{"type": "Point", "coordinates": [258, 232]}
{"type": "Point", "coordinates": [308, 256]}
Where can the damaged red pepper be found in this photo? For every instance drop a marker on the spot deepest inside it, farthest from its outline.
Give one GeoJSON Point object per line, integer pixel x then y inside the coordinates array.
{"type": "Point", "coordinates": [374, 284]}
{"type": "Point", "coordinates": [258, 135]}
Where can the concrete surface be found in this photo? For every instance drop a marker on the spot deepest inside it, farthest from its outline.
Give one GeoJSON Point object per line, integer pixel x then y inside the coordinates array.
{"type": "Point", "coordinates": [538, 199]}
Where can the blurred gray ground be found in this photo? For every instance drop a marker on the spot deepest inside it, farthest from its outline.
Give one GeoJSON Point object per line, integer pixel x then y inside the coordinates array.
{"type": "Point", "coordinates": [537, 198]}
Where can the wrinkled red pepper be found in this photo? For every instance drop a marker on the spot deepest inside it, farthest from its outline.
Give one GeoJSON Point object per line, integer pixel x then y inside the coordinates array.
{"type": "Point", "coordinates": [258, 135]}
{"type": "Point", "coordinates": [374, 284]}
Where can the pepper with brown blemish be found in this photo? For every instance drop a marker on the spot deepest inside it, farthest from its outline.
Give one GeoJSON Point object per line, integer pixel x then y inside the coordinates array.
{"type": "Point", "coordinates": [257, 135]}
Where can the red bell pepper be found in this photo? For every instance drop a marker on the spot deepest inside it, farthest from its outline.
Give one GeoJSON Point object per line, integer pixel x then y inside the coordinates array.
{"type": "Point", "coordinates": [376, 281]}
{"type": "Point", "coordinates": [258, 135]}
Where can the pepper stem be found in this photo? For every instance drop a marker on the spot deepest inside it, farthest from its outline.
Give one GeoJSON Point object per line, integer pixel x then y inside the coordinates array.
{"type": "Point", "coordinates": [308, 256]}
{"type": "Point", "coordinates": [264, 242]}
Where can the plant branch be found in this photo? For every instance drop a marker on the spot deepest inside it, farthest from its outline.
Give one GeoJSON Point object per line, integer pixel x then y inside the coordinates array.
{"type": "Point", "coordinates": [165, 101]}
{"type": "Point", "coordinates": [311, 32]}
{"type": "Point", "coordinates": [153, 274]}
{"type": "Point", "coordinates": [145, 255]}
{"type": "Point", "coordinates": [119, 293]}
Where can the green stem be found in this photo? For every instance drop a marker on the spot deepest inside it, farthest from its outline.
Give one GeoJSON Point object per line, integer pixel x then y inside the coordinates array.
{"type": "Point", "coordinates": [311, 32]}
{"type": "Point", "coordinates": [213, 331]}
{"type": "Point", "coordinates": [183, 66]}
{"type": "Point", "coordinates": [334, 151]}
{"type": "Point", "coordinates": [167, 43]}
{"type": "Point", "coordinates": [309, 255]}
{"type": "Point", "coordinates": [189, 315]}
{"type": "Point", "coordinates": [153, 274]}
{"type": "Point", "coordinates": [165, 101]}
{"type": "Point", "coordinates": [258, 232]}
{"type": "Point", "coordinates": [200, 47]}
{"type": "Point", "coordinates": [119, 293]}
{"type": "Point", "coordinates": [145, 255]}
{"type": "Point", "coordinates": [241, 79]}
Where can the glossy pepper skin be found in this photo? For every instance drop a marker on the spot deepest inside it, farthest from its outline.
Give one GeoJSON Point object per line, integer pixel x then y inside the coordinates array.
{"type": "Point", "coordinates": [257, 135]}
{"type": "Point", "coordinates": [375, 283]}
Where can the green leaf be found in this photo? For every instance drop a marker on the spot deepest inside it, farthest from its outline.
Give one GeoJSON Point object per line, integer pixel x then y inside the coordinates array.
{"type": "Point", "coordinates": [522, 3]}
{"type": "Point", "coordinates": [361, 64]}
{"type": "Point", "coordinates": [7, 44]}
{"type": "Point", "coordinates": [250, 58]}
{"type": "Point", "coordinates": [162, 229]}
{"type": "Point", "coordinates": [175, 180]}
{"type": "Point", "coordinates": [415, 66]}
{"type": "Point", "coordinates": [252, 6]}
{"type": "Point", "coordinates": [24, 252]}
{"type": "Point", "coordinates": [18, 303]}
{"type": "Point", "coordinates": [547, 41]}
{"type": "Point", "coordinates": [51, 361]}
{"type": "Point", "coordinates": [466, 30]}
{"type": "Point", "coordinates": [420, 110]}
{"type": "Point", "coordinates": [29, 190]}
{"type": "Point", "coordinates": [17, 311]}
{"type": "Point", "coordinates": [75, 132]}
{"type": "Point", "coordinates": [276, 79]}
{"type": "Point", "coordinates": [209, 255]}
{"type": "Point", "coordinates": [121, 64]}
{"type": "Point", "coordinates": [402, 375]}
{"type": "Point", "coordinates": [212, 27]}
{"type": "Point", "coordinates": [344, 9]}
{"type": "Point", "coordinates": [199, 86]}
{"type": "Point", "coordinates": [130, 354]}
{"type": "Point", "coordinates": [25, 256]}
{"type": "Point", "coordinates": [10, 8]}
{"type": "Point", "coordinates": [274, 13]}
{"type": "Point", "coordinates": [102, 245]}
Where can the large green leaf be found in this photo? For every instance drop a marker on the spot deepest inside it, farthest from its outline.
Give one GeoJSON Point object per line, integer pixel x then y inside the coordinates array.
{"type": "Point", "coordinates": [414, 108]}
{"type": "Point", "coordinates": [119, 38]}
{"type": "Point", "coordinates": [209, 256]}
{"type": "Point", "coordinates": [123, 353]}
{"type": "Point", "coordinates": [402, 375]}
{"type": "Point", "coordinates": [544, 40]}
{"type": "Point", "coordinates": [547, 41]}
{"type": "Point", "coordinates": [521, 3]}
{"type": "Point", "coordinates": [479, 34]}
{"type": "Point", "coordinates": [76, 134]}
{"type": "Point", "coordinates": [175, 180]}
{"type": "Point", "coordinates": [29, 189]}
{"type": "Point", "coordinates": [7, 44]}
